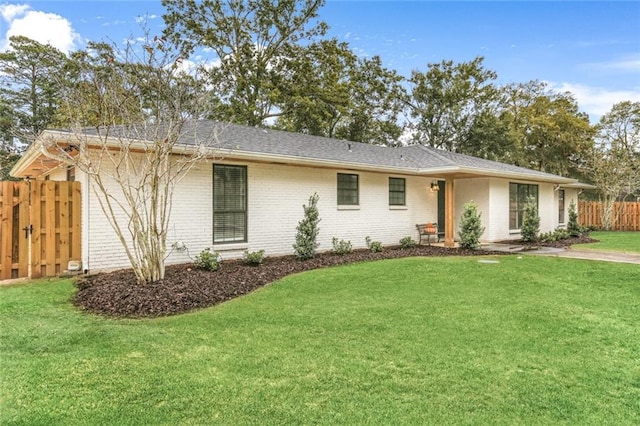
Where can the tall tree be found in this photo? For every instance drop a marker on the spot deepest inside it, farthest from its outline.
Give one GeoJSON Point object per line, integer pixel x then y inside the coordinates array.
{"type": "Point", "coordinates": [614, 161]}
{"type": "Point", "coordinates": [249, 38]}
{"type": "Point", "coordinates": [546, 128]}
{"type": "Point", "coordinates": [377, 99]}
{"type": "Point", "coordinates": [445, 100]}
{"type": "Point", "coordinates": [315, 94]}
{"type": "Point", "coordinates": [488, 137]}
{"type": "Point", "coordinates": [330, 92]}
{"type": "Point", "coordinates": [9, 152]}
{"type": "Point", "coordinates": [28, 94]}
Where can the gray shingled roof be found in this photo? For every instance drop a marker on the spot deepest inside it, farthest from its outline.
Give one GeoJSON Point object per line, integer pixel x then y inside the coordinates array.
{"type": "Point", "coordinates": [413, 158]}
{"type": "Point", "coordinates": [238, 139]}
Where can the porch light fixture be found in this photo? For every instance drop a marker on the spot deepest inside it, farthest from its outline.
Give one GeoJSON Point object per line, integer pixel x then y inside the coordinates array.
{"type": "Point", "coordinates": [435, 186]}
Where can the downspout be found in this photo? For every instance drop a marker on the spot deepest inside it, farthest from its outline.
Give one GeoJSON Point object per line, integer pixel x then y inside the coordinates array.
{"type": "Point", "coordinates": [86, 224]}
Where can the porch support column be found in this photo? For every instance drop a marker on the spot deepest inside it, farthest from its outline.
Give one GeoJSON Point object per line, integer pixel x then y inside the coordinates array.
{"type": "Point", "coordinates": [449, 211]}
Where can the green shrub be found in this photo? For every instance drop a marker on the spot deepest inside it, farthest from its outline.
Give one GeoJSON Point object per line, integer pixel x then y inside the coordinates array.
{"type": "Point", "coordinates": [548, 237]}
{"type": "Point", "coordinates": [471, 228]}
{"type": "Point", "coordinates": [208, 260]}
{"type": "Point", "coordinates": [254, 257]}
{"type": "Point", "coordinates": [341, 246]}
{"type": "Point", "coordinates": [557, 235]}
{"type": "Point", "coordinates": [307, 231]}
{"type": "Point", "coordinates": [561, 234]}
{"type": "Point", "coordinates": [573, 227]}
{"type": "Point", "coordinates": [531, 221]}
{"type": "Point", "coordinates": [407, 243]}
{"type": "Point", "coordinates": [374, 246]}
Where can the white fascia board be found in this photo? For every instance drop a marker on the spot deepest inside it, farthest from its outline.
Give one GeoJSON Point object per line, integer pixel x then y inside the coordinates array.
{"type": "Point", "coordinates": [517, 175]}
{"type": "Point", "coordinates": [579, 185]}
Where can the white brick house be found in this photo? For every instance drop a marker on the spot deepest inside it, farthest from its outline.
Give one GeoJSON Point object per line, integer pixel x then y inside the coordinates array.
{"type": "Point", "coordinates": [364, 190]}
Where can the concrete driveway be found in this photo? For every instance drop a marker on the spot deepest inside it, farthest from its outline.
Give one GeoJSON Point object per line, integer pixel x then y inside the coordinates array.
{"type": "Point", "coordinates": [606, 256]}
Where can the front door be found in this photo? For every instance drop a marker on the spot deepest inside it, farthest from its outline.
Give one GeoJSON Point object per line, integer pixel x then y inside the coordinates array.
{"type": "Point", "coordinates": [441, 215]}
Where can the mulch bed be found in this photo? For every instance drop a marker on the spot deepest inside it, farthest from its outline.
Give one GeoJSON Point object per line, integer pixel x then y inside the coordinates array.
{"type": "Point", "coordinates": [186, 288]}
{"type": "Point", "coordinates": [567, 242]}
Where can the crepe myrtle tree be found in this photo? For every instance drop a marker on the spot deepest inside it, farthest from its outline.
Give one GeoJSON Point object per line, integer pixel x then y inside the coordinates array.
{"type": "Point", "coordinates": [613, 165]}
{"type": "Point", "coordinates": [126, 110]}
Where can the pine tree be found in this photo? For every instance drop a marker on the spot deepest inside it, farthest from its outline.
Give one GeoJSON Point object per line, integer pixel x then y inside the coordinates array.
{"type": "Point", "coordinates": [471, 228]}
{"type": "Point", "coordinates": [575, 230]}
{"type": "Point", "coordinates": [307, 235]}
{"type": "Point", "coordinates": [531, 221]}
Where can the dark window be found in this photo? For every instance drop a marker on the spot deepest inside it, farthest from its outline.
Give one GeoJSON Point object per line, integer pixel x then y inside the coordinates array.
{"type": "Point", "coordinates": [71, 174]}
{"type": "Point", "coordinates": [561, 206]}
{"type": "Point", "coordinates": [348, 190]}
{"type": "Point", "coordinates": [519, 193]}
{"type": "Point", "coordinates": [397, 193]}
{"type": "Point", "coordinates": [229, 204]}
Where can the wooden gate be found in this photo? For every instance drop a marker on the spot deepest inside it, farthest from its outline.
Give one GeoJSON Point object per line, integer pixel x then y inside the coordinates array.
{"type": "Point", "coordinates": [39, 227]}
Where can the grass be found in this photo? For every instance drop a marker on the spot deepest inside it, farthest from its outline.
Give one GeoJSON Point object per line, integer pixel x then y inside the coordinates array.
{"type": "Point", "coordinates": [617, 241]}
{"type": "Point", "coordinates": [530, 340]}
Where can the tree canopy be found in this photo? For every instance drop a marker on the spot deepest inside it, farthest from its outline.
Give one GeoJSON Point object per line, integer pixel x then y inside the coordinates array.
{"type": "Point", "coordinates": [269, 63]}
{"type": "Point", "coordinates": [251, 39]}
{"type": "Point", "coordinates": [613, 163]}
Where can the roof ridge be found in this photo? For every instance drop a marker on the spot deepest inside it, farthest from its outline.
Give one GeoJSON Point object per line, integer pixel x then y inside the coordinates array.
{"type": "Point", "coordinates": [435, 151]}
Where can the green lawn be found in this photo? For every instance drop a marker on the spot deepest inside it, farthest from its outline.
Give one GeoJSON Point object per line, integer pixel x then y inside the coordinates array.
{"type": "Point", "coordinates": [530, 340]}
{"type": "Point", "coordinates": [621, 241]}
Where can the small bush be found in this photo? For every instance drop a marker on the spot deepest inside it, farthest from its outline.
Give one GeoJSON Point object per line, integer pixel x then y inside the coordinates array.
{"type": "Point", "coordinates": [548, 237]}
{"type": "Point", "coordinates": [374, 246]}
{"type": "Point", "coordinates": [562, 234]}
{"type": "Point", "coordinates": [471, 228]}
{"type": "Point", "coordinates": [254, 257]}
{"type": "Point", "coordinates": [341, 246]}
{"type": "Point", "coordinates": [407, 243]}
{"type": "Point", "coordinates": [557, 235]}
{"type": "Point", "coordinates": [208, 260]}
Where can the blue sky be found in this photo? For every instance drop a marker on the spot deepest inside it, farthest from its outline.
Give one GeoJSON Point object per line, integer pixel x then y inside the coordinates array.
{"type": "Point", "coordinates": [590, 48]}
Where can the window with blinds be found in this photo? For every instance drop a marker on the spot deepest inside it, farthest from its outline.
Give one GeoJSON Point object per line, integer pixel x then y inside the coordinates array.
{"type": "Point", "coordinates": [348, 190]}
{"type": "Point", "coordinates": [519, 194]}
{"type": "Point", "coordinates": [397, 193]}
{"type": "Point", "coordinates": [229, 203]}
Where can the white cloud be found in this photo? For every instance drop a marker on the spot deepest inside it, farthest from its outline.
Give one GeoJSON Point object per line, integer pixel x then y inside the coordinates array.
{"type": "Point", "coordinates": [46, 28]}
{"type": "Point", "coordinates": [596, 101]}
{"type": "Point", "coordinates": [10, 11]}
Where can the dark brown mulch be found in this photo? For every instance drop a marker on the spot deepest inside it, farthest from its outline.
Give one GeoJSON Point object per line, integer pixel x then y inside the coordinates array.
{"type": "Point", "coordinates": [186, 288]}
{"type": "Point", "coordinates": [567, 242]}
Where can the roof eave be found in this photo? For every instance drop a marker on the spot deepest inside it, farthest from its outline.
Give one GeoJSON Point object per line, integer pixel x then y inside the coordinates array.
{"type": "Point", "coordinates": [549, 178]}
{"type": "Point", "coordinates": [232, 154]}
{"type": "Point", "coordinates": [579, 185]}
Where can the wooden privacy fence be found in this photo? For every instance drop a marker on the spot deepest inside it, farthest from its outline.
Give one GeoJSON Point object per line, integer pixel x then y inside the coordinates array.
{"type": "Point", "coordinates": [39, 227]}
{"type": "Point", "coordinates": [627, 215]}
